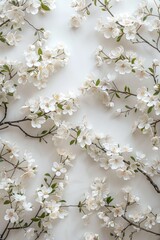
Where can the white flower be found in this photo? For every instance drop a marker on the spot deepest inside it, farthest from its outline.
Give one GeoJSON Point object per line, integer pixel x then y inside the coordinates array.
{"type": "Point", "coordinates": [116, 162]}
{"type": "Point", "coordinates": [29, 234]}
{"type": "Point", "coordinates": [27, 206]}
{"type": "Point", "coordinates": [155, 142]}
{"type": "Point", "coordinates": [47, 104]}
{"type": "Point", "coordinates": [37, 121]}
{"type": "Point", "coordinates": [76, 21]}
{"type": "Point", "coordinates": [85, 137]}
{"type": "Point", "coordinates": [43, 193]}
{"type": "Point", "coordinates": [158, 218]}
{"type": "Point", "coordinates": [130, 32]}
{"type": "Point", "coordinates": [33, 6]}
{"type": "Point", "coordinates": [109, 29]}
{"type": "Point", "coordinates": [116, 53]}
{"type": "Point", "coordinates": [123, 66]}
{"type": "Point", "coordinates": [150, 222]}
{"type": "Point", "coordinates": [144, 123]}
{"type": "Point", "coordinates": [58, 168]}
{"type": "Point", "coordinates": [154, 25]}
{"type": "Point", "coordinates": [118, 211]}
{"type": "Point", "coordinates": [124, 173]}
{"type": "Point", "coordinates": [13, 38]}
{"type": "Point", "coordinates": [91, 236]}
{"type": "Point", "coordinates": [11, 216]}
{"type": "Point", "coordinates": [136, 217]}
{"type": "Point", "coordinates": [157, 108]}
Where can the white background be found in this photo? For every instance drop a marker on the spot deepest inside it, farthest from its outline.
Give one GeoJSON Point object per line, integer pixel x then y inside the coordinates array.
{"type": "Point", "coordinates": [81, 44]}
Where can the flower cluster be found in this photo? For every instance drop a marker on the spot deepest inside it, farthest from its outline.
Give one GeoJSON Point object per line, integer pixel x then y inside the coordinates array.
{"type": "Point", "coordinates": [91, 236]}
{"type": "Point", "coordinates": [8, 84]}
{"type": "Point", "coordinates": [41, 109]}
{"type": "Point", "coordinates": [40, 62]}
{"type": "Point", "coordinates": [11, 160]}
{"type": "Point", "coordinates": [118, 215]}
{"type": "Point", "coordinates": [145, 103]}
{"type": "Point", "coordinates": [49, 196]}
{"type": "Point", "coordinates": [82, 10]}
{"type": "Point", "coordinates": [13, 16]}
{"type": "Point", "coordinates": [130, 26]}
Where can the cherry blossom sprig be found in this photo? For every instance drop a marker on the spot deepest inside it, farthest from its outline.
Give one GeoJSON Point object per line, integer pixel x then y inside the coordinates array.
{"type": "Point", "coordinates": [40, 62]}
{"type": "Point", "coordinates": [8, 83]}
{"type": "Point", "coordinates": [42, 109]}
{"type": "Point", "coordinates": [145, 103]}
{"type": "Point", "coordinates": [15, 169]}
{"type": "Point", "coordinates": [49, 197]}
{"type": "Point", "coordinates": [14, 14]}
{"type": "Point", "coordinates": [91, 236]}
{"type": "Point", "coordinates": [108, 154]}
{"type": "Point", "coordinates": [38, 111]}
{"type": "Point", "coordinates": [132, 27]}
{"type": "Point", "coordinates": [11, 161]}
{"type": "Point", "coordinates": [123, 216]}
{"type": "Point", "coordinates": [111, 155]}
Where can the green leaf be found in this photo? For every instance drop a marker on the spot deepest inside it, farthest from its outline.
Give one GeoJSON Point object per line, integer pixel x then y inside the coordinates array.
{"type": "Point", "coordinates": [119, 38]}
{"type": "Point", "coordinates": [47, 174]}
{"type": "Point", "coordinates": [145, 18]}
{"type": "Point", "coordinates": [42, 215]}
{"type": "Point", "coordinates": [151, 70]}
{"type": "Point", "coordinates": [39, 224]}
{"type": "Point", "coordinates": [60, 106]}
{"type": "Point", "coordinates": [44, 132]}
{"type": "Point", "coordinates": [117, 95]}
{"type": "Point", "coordinates": [39, 51]}
{"type": "Point", "coordinates": [1, 159]}
{"type": "Point", "coordinates": [95, 2]}
{"type": "Point", "coordinates": [78, 133]}
{"type": "Point", "coordinates": [35, 219]}
{"type": "Point", "coordinates": [7, 202]}
{"type": "Point", "coordinates": [132, 158]}
{"type": "Point", "coordinates": [72, 142]}
{"type": "Point", "coordinates": [126, 106]}
{"type": "Point", "coordinates": [5, 67]}
{"type": "Point", "coordinates": [45, 7]}
{"type": "Point", "coordinates": [150, 109]}
{"type": "Point", "coordinates": [97, 82]}
{"type": "Point", "coordinates": [133, 60]}
{"type": "Point", "coordinates": [109, 199]}
{"type": "Point", "coordinates": [53, 186]}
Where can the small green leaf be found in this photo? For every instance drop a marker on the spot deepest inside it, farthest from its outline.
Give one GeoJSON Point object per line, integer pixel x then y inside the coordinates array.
{"type": "Point", "coordinates": [44, 132]}
{"type": "Point", "coordinates": [117, 95]}
{"type": "Point", "coordinates": [72, 142]}
{"type": "Point", "coordinates": [47, 174]}
{"type": "Point", "coordinates": [150, 109]}
{"type": "Point", "coordinates": [78, 133]}
{"type": "Point", "coordinates": [7, 202]}
{"type": "Point", "coordinates": [60, 106]}
{"type": "Point", "coordinates": [95, 2]}
{"type": "Point", "coordinates": [133, 60]}
{"type": "Point", "coordinates": [97, 82]}
{"type": "Point", "coordinates": [151, 70]}
{"type": "Point", "coordinates": [45, 7]}
{"type": "Point", "coordinates": [5, 67]}
{"type": "Point", "coordinates": [109, 199]}
{"type": "Point", "coordinates": [39, 51]}
{"type": "Point", "coordinates": [53, 186]}
{"type": "Point", "coordinates": [42, 215]}
{"type": "Point", "coordinates": [35, 219]}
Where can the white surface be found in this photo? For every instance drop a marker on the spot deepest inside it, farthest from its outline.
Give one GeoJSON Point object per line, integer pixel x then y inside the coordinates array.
{"type": "Point", "coordinates": [81, 44]}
